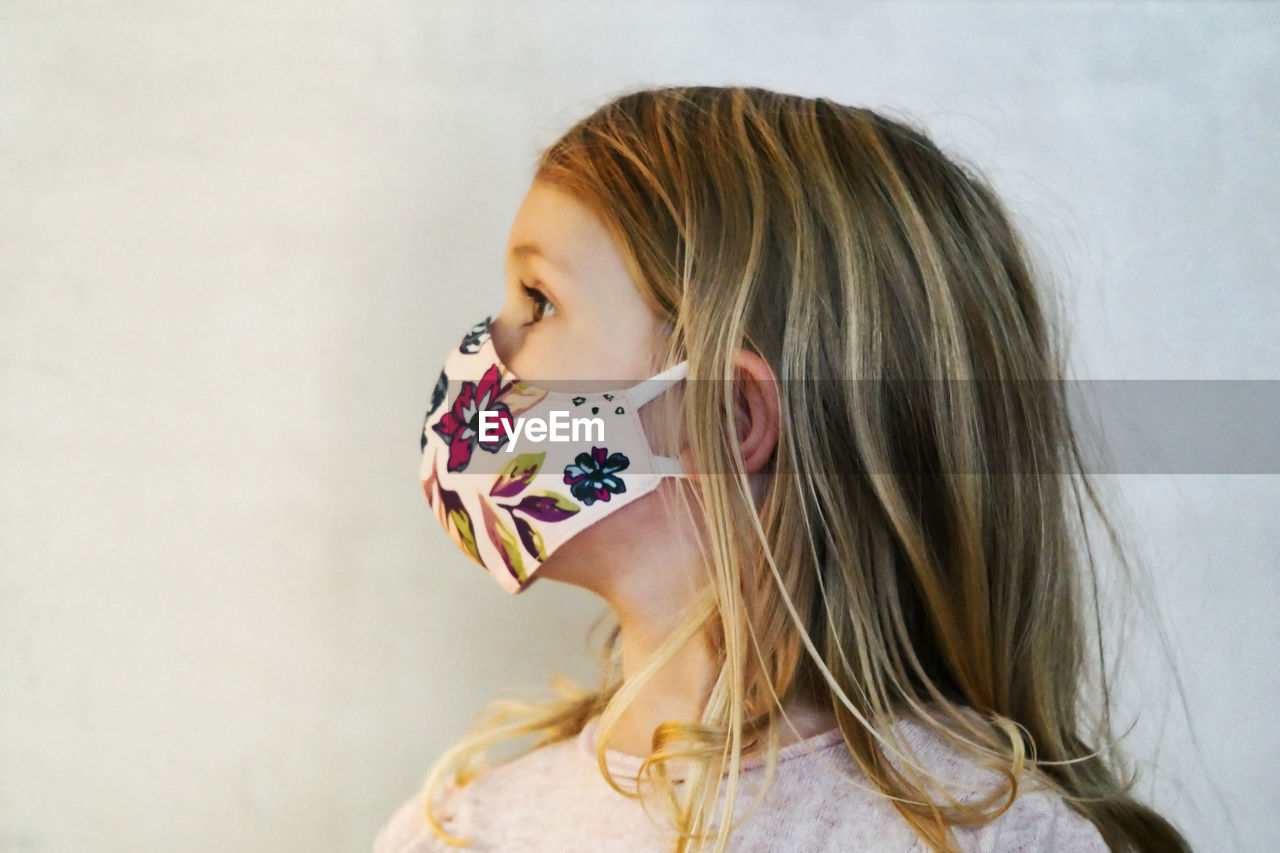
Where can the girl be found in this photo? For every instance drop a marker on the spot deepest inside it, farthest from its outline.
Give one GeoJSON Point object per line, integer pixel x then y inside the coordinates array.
{"type": "Point", "coordinates": [848, 605]}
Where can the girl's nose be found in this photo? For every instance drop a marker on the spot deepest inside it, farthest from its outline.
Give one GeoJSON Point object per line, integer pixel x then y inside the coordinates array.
{"type": "Point", "coordinates": [506, 336]}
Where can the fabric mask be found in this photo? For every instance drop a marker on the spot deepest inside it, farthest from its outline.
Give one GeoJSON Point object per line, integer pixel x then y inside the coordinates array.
{"type": "Point", "coordinates": [510, 502]}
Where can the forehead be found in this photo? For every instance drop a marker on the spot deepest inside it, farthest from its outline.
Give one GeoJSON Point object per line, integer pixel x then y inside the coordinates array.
{"type": "Point", "coordinates": [556, 228]}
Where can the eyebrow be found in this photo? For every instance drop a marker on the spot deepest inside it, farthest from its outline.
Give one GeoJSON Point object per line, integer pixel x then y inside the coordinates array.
{"type": "Point", "coordinates": [523, 249]}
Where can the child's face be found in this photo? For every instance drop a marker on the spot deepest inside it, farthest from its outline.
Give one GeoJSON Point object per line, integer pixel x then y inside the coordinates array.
{"type": "Point", "coordinates": [589, 322]}
{"type": "Point", "coordinates": [594, 326]}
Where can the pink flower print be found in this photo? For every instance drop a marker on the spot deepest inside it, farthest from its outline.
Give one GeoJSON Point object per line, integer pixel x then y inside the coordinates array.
{"type": "Point", "coordinates": [460, 426]}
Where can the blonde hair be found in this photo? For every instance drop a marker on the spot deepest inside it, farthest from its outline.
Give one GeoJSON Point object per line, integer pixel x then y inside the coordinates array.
{"type": "Point", "coordinates": [915, 554]}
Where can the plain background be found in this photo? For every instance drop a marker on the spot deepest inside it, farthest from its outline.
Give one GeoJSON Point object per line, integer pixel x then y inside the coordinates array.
{"type": "Point", "coordinates": [237, 238]}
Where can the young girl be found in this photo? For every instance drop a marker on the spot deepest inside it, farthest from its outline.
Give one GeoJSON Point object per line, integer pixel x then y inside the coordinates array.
{"type": "Point", "coordinates": [850, 609]}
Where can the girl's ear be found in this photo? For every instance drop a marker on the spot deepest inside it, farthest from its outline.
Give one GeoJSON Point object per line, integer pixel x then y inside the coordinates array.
{"type": "Point", "coordinates": [756, 409]}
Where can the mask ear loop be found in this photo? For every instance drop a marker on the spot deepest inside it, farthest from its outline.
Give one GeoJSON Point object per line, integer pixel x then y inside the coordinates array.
{"type": "Point", "coordinates": [644, 391]}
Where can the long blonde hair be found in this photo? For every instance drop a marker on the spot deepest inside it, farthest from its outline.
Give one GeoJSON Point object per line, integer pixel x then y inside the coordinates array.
{"type": "Point", "coordinates": [916, 553]}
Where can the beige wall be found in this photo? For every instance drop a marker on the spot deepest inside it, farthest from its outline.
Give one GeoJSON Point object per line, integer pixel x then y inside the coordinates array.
{"type": "Point", "coordinates": [235, 239]}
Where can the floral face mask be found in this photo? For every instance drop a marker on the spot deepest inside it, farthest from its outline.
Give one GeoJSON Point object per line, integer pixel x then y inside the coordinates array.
{"type": "Point", "coordinates": [513, 471]}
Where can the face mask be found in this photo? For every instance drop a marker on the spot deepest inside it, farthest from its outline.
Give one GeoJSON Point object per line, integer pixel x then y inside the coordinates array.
{"type": "Point", "coordinates": [510, 501]}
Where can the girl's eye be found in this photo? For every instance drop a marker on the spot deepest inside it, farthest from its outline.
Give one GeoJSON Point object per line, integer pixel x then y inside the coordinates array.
{"type": "Point", "coordinates": [542, 307]}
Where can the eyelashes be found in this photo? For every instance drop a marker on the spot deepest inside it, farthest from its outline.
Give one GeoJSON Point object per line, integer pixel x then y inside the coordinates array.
{"type": "Point", "coordinates": [542, 306]}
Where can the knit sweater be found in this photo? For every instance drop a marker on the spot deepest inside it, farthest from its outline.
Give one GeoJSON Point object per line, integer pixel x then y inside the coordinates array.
{"type": "Point", "coordinates": [555, 798]}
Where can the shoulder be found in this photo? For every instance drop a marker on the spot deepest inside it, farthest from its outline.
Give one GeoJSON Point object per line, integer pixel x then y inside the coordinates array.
{"type": "Point", "coordinates": [407, 831]}
{"type": "Point", "coordinates": [1037, 820]}
{"type": "Point", "coordinates": [548, 799]}
{"type": "Point", "coordinates": [837, 803]}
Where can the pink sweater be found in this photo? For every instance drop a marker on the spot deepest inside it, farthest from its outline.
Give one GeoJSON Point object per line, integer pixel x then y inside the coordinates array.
{"type": "Point", "coordinates": [555, 799]}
